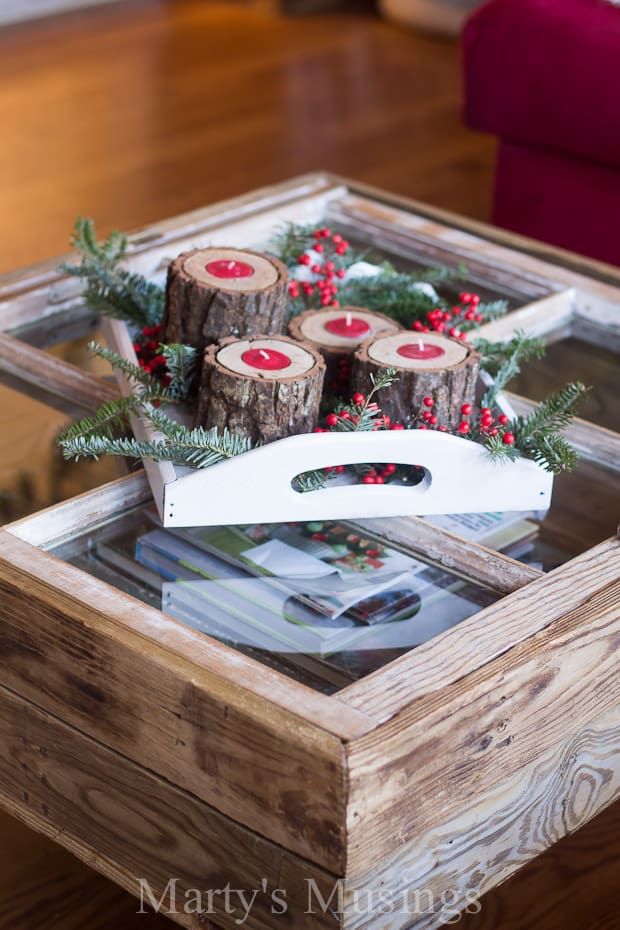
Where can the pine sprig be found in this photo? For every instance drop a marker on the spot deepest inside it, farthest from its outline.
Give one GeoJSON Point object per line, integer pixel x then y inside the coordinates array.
{"type": "Point", "coordinates": [148, 386]}
{"type": "Point", "coordinates": [537, 436]}
{"type": "Point", "coordinates": [197, 448]}
{"type": "Point", "coordinates": [181, 364]}
{"type": "Point", "coordinates": [111, 290]}
{"type": "Point", "coordinates": [109, 419]}
{"type": "Point", "coordinates": [550, 416]}
{"type": "Point", "coordinates": [503, 360]}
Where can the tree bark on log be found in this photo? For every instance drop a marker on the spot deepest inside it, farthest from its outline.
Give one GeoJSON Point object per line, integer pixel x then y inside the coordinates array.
{"type": "Point", "coordinates": [202, 308]}
{"type": "Point", "coordinates": [450, 387]}
{"type": "Point", "coordinates": [264, 406]}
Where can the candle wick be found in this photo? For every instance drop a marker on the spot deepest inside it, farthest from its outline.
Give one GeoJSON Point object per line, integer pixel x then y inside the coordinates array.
{"type": "Point", "coordinates": [264, 354]}
{"type": "Point", "coordinates": [349, 319]}
{"type": "Point", "coordinates": [420, 345]}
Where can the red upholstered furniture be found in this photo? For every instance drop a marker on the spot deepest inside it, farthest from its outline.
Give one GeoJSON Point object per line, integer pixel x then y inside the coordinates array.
{"type": "Point", "coordinates": [544, 75]}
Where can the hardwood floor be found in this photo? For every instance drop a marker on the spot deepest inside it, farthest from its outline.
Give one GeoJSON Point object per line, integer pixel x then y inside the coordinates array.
{"type": "Point", "coordinates": [149, 108]}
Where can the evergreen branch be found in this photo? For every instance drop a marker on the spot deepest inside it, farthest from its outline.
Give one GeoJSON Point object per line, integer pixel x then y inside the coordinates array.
{"type": "Point", "coordinates": [554, 454]}
{"type": "Point", "coordinates": [110, 417]}
{"type": "Point", "coordinates": [149, 386]}
{"type": "Point", "coordinates": [311, 481]}
{"type": "Point", "coordinates": [196, 448]}
{"type": "Point", "coordinates": [550, 416]}
{"type": "Point", "coordinates": [111, 290]}
{"type": "Point", "coordinates": [391, 293]}
{"type": "Point", "coordinates": [502, 360]}
{"type": "Point", "coordinates": [181, 364]}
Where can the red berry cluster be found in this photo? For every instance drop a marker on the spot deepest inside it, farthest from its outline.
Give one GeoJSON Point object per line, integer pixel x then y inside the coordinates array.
{"type": "Point", "coordinates": [328, 245]}
{"type": "Point", "coordinates": [454, 322]}
{"type": "Point", "coordinates": [487, 424]}
{"type": "Point", "coordinates": [149, 357]}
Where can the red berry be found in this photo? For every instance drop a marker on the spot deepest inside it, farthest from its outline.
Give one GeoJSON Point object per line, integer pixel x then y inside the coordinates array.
{"type": "Point", "coordinates": [389, 469]}
{"type": "Point", "coordinates": [469, 315]}
{"type": "Point", "coordinates": [341, 249]}
{"type": "Point", "coordinates": [466, 410]}
{"type": "Point", "coordinates": [331, 419]}
{"type": "Point", "coordinates": [326, 232]}
{"type": "Point", "coordinates": [345, 415]}
{"type": "Point", "coordinates": [464, 297]}
{"type": "Point", "coordinates": [422, 426]}
{"type": "Point", "coordinates": [368, 479]}
{"type": "Point", "coordinates": [475, 300]}
{"type": "Point", "coordinates": [508, 439]}
{"type": "Point", "coordinates": [487, 420]}
{"type": "Point", "coordinates": [485, 411]}
{"type": "Point", "coordinates": [303, 259]}
{"type": "Point", "coordinates": [464, 427]}
{"type": "Point", "coordinates": [359, 399]}
{"type": "Point", "coordinates": [378, 480]}
{"type": "Point", "coordinates": [442, 429]}
{"type": "Point", "coordinates": [397, 426]}
{"type": "Point", "coordinates": [318, 247]}
{"type": "Point", "coordinates": [494, 431]}
{"type": "Point", "coordinates": [478, 318]}
{"type": "Point", "coordinates": [317, 269]}
{"type": "Point", "coordinates": [337, 238]}
{"type": "Point", "coordinates": [329, 266]}
{"type": "Point", "coordinates": [317, 233]}
{"type": "Point", "coordinates": [334, 303]}
{"type": "Point", "coordinates": [503, 419]}
{"type": "Point", "coordinates": [320, 537]}
{"type": "Point", "coordinates": [341, 273]}
{"type": "Point", "coordinates": [428, 401]}
{"type": "Point", "coordinates": [426, 415]}
{"type": "Point", "coordinates": [339, 469]}
{"type": "Point", "coordinates": [417, 326]}
{"type": "Point", "coordinates": [432, 420]}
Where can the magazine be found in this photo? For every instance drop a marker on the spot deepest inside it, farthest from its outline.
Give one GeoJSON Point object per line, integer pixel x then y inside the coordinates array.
{"type": "Point", "coordinates": [326, 564]}
{"type": "Point", "coordinates": [262, 603]}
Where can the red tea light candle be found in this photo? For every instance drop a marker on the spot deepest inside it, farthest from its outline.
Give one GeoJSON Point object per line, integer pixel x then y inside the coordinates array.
{"type": "Point", "coordinates": [217, 292]}
{"type": "Point", "coordinates": [266, 359]}
{"type": "Point", "coordinates": [337, 333]}
{"type": "Point", "coordinates": [260, 388]}
{"type": "Point", "coordinates": [429, 365]}
{"type": "Point", "coordinates": [349, 326]}
{"type": "Point", "coordinates": [227, 268]}
{"type": "Point", "coordinates": [420, 350]}
{"type": "Point", "coordinates": [231, 269]}
{"type": "Point", "coordinates": [341, 329]}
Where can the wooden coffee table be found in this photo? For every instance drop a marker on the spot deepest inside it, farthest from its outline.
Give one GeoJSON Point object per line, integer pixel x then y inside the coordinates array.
{"type": "Point", "coordinates": [389, 788]}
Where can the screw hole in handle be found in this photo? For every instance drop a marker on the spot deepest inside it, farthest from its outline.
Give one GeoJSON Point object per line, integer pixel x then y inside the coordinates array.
{"type": "Point", "coordinates": [401, 475]}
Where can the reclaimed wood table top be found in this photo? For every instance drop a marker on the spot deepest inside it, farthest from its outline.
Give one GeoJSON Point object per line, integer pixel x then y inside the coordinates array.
{"type": "Point", "coordinates": [358, 794]}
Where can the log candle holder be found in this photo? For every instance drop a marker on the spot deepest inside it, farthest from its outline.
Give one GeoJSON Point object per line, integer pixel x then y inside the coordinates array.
{"type": "Point", "coordinates": [260, 388]}
{"type": "Point", "coordinates": [217, 292]}
{"type": "Point", "coordinates": [337, 334]}
{"type": "Point", "coordinates": [427, 365]}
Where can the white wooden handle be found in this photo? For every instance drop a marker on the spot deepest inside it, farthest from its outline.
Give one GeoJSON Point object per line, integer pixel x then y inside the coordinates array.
{"type": "Point", "coordinates": [257, 487]}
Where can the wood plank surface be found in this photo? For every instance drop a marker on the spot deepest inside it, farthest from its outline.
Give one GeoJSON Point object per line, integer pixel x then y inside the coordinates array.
{"type": "Point", "coordinates": [445, 750]}
{"type": "Point", "coordinates": [494, 834]}
{"type": "Point", "coordinates": [131, 825]}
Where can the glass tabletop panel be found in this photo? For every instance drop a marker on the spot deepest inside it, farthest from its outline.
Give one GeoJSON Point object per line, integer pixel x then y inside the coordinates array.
{"type": "Point", "coordinates": [321, 602]}
{"type": "Point", "coordinates": [583, 512]}
{"type": "Point", "coordinates": [576, 360]}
